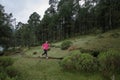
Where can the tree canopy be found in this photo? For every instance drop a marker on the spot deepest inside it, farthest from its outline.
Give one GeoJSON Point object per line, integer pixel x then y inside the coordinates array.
{"type": "Point", "coordinates": [63, 19]}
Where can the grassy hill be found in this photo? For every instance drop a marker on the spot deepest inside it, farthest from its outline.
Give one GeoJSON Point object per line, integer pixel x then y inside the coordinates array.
{"type": "Point", "coordinates": [34, 68]}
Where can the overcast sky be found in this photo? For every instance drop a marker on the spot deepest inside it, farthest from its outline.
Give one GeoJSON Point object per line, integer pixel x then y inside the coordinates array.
{"type": "Point", "coordinates": [22, 9]}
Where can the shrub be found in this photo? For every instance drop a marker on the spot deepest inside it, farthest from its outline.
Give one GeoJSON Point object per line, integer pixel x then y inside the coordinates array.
{"type": "Point", "coordinates": [87, 63]}
{"type": "Point", "coordinates": [6, 61]}
{"type": "Point", "coordinates": [93, 52]}
{"type": "Point", "coordinates": [8, 78]}
{"type": "Point", "coordinates": [1, 53]}
{"type": "Point", "coordinates": [68, 62]}
{"type": "Point", "coordinates": [80, 62]}
{"type": "Point", "coordinates": [7, 71]}
{"type": "Point", "coordinates": [100, 36]}
{"type": "Point", "coordinates": [115, 35]}
{"type": "Point", "coordinates": [109, 62]}
{"type": "Point", "coordinates": [3, 75]}
{"type": "Point", "coordinates": [11, 71]}
{"type": "Point", "coordinates": [65, 45]}
{"type": "Point", "coordinates": [96, 31]}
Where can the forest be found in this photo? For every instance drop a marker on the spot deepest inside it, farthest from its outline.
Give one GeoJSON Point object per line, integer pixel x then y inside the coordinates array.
{"type": "Point", "coordinates": [83, 37]}
{"type": "Point", "coordinates": [62, 20]}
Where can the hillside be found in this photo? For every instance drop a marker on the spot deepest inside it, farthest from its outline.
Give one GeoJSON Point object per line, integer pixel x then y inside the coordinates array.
{"type": "Point", "coordinates": [34, 68]}
{"type": "Point", "coordinates": [108, 40]}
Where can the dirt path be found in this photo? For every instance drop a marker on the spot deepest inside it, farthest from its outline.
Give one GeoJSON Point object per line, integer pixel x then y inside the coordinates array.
{"type": "Point", "coordinates": [60, 58]}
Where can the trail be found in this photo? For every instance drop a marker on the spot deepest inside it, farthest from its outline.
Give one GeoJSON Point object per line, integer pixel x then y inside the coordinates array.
{"type": "Point", "coordinates": [60, 58]}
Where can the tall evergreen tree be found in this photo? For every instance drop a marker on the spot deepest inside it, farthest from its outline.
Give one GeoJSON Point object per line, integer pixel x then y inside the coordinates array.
{"type": "Point", "coordinates": [5, 28]}
{"type": "Point", "coordinates": [67, 18]}
{"type": "Point", "coordinates": [33, 24]}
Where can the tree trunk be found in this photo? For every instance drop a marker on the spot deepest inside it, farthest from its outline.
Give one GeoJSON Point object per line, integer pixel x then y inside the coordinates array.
{"type": "Point", "coordinates": [110, 18]}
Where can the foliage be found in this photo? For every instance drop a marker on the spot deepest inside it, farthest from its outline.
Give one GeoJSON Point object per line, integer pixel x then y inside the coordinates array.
{"type": "Point", "coordinates": [66, 45]}
{"type": "Point", "coordinates": [67, 18]}
{"type": "Point", "coordinates": [100, 36]}
{"type": "Point", "coordinates": [5, 28]}
{"type": "Point", "coordinates": [6, 61]}
{"type": "Point", "coordinates": [3, 75]}
{"type": "Point", "coordinates": [115, 35]}
{"type": "Point", "coordinates": [93, 52]}
{"type": "Point", "coordinates": [80, 62]}
{"type": "Point", "coordinates": [7, 71]}
{"type": "Point", "coordinates": [109, 62]}
{"type": "Point", "coordinates": [12, 71]}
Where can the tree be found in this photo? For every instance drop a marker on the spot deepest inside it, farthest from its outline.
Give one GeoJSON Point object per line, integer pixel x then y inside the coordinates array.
{"type": "Point", "coordinates": [33, 25]}
{"type": "Point", "coordinates": [68, 18]}
{"type": "Point", "coordinates": [5, 28]}
{"type": "Point", "coordinates": [108, 14]}
{"type": "Point", "coordinates": [65, 8]}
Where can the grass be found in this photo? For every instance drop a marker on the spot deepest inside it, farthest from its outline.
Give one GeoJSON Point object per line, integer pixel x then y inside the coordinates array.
{"type": "Point", "coordinates": [54, 52]}
{"type": "Point", "coordinates": [48, 69]}
{"type": "Point", "coordinates": [37, 69]}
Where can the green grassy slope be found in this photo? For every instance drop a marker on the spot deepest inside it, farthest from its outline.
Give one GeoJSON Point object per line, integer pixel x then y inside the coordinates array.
{"type": "Point", "coordinates": [49, 69]}
{"type": "Point", "coordinates": [36, 69]}
{"type": "Point", "coordinates": [108, 40]}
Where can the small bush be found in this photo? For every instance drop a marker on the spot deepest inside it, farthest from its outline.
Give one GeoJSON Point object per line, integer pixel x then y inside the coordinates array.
{"type": "Point", "coordinates": [1, 53]}
{"type": "Point", "coordinates": [100, 36]}
{"type": "Point", "coordinates": [96, 31]}
{"type": "Point", "coordinates": [7, 71]}
{"type": "Point", "coordinates": [109, 62]}
{"type": "Point", "coordinates": [80, 62]}
{"type": "Point", "coordinates": [6, 61]}
{"type": "Point", "coordinates": [3, 75]}
{"type": "Point", "coordinates": [8, 78]}
{"type": "Point", "coordinates": [12, 71]}
{"type": "Point", "coordinates": [115, 35]}
{"type": "Point", "coordinates": [34, 53]}
{"type": "Point", "coordinates": [68, 62]}
{"type": "Point", "coordinates": [93, 52]}
{"type": "Point", "coordinates": [87, 63]}
{"type": "Point", "coordinates": [65, 45]}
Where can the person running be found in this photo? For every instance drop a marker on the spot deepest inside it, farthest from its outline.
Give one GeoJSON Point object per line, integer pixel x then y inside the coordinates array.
{"type": "Point", "coordinates": [45, 47]}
